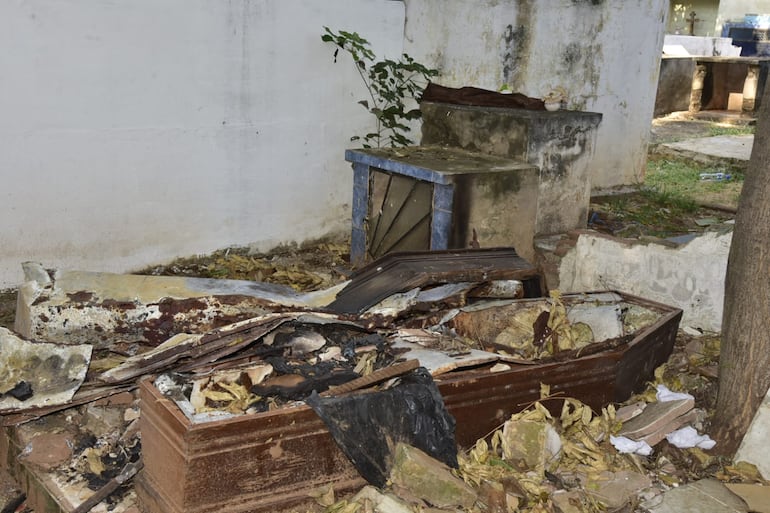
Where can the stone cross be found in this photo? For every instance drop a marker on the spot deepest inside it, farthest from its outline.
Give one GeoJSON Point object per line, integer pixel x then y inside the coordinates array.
{"type": "Point", "coordinates": [691, 20]}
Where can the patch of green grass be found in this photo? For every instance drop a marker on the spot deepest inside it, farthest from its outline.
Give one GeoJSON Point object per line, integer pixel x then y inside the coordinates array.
{"type": "Point", "coordinates": [676, 176]}
{"type": "Point", "coordinates": [650, 212]}
{"type": "Point", "coordinates": [681, 178]}
{"type": "Point", "coordinates": [730, 130]}
{"type": "Point", "coordinates": [674, 201]}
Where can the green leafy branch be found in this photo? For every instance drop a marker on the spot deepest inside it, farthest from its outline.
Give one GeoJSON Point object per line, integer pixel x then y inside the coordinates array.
{"type": "Point", "coordinates": [391, 85]}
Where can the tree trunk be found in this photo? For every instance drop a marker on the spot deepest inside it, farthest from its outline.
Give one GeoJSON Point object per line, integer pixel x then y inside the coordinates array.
{"type": "Point", "coordinates": [744, 364]}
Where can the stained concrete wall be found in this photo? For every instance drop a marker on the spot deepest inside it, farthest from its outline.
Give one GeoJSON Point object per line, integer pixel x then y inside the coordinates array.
{"type": "Point", "coordinates": [690, 276]}
{"type": "Point", "coordinates": [605, 54]}
{"type": "Point", "coordinates": [135, 132]}
{"type": "Point", "coordinates": [561, 145]}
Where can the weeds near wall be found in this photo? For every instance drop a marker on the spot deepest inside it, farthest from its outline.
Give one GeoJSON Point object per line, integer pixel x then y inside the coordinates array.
{"type": "Point", "coordinates": [391, 86]}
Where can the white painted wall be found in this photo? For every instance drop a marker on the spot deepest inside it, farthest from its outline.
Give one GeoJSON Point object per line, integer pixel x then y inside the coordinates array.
{"type": "Point", "coordinates": [605, 54]}
{"type": "Point", "coordinates": [135, 131]}
{"type": "Point", "coordinates": [690, 277]}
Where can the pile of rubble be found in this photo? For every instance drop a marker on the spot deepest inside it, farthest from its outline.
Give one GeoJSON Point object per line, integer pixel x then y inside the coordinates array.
{"type": "Point", "coordinates": [574, 462]}
{"type": "Point", "coordinates": [406, 351]}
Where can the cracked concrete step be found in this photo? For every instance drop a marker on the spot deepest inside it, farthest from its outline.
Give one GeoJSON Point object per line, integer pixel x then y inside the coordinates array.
{"type": "Point", "coordinates": [704, 496]}
{"type": "Point", "coordinates": [729, 150]}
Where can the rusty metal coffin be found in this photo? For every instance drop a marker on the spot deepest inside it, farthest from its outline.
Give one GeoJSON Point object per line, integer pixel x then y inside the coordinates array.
{"type": "Point", "coordinates": [271, 461]}
{"type": "Point", "coordinates": [265, 462]}
{"type": "Point", "coordinates": [481, 401]}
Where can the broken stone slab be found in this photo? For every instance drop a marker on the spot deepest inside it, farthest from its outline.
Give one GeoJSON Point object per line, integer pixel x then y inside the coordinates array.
{"type": "Point", "coordinates": [753, 448]}
{"type": "Point", "coordinates": [657, 420]}
{"type": "Point", "coordinates": [573, 501]}
{"type": "Point", "coordinates": [501, 496]}
{"type": "Point", "coordinates": [617, 489]}
{"type": "Point", "coordinates": [756, 496]}
{"type": "Point", "coordinates": [38, 374]}
{"type": "Point", "coordinates": [380, 501]}
{"type": "Point", "coordinates": [704, 496]}
{"type": "Point", "coordinates": [628, 412]}
{"type": "Point", "coordinates": [416, 474]}
{"type": "Point", "coordinates": [48, 450]}
{"type": "Point", "coordinates": [72, 307]}
{"type": "Point", "coordinates": [529, 444]}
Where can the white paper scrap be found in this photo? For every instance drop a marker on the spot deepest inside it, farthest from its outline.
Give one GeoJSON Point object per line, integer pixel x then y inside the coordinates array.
{"type": "Point", "coordinates": [625, 445]}
{"type": "Point", "coordinates": [687, 437]}
{"type": "Point", "coordinates": [664, 394]}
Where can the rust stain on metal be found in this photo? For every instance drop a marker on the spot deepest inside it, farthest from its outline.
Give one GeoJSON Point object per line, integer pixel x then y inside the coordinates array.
{"type": "Point", "coordinates": [81, 297]}
{"type": "Point", "coordinates": [117, 305]}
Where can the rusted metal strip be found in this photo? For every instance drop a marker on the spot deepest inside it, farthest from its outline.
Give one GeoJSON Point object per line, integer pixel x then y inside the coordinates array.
{"type": "Point", "coordinates": [375, 377]}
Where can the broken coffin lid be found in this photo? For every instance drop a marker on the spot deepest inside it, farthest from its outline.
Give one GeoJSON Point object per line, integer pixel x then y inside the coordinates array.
{"type": "Point", "coordinates": [108, 310]}
{"type": "Point", "coordinates": [272, 460]}
{"type": "Point", "coordinates": [399, 272]}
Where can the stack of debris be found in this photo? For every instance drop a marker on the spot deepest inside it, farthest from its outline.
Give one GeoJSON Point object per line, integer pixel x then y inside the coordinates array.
{"type": "Point", "coordinates": [214, 391]}
{"type": "Point", "coordinates": [668, 418]}
{"type": "Point", "coordinates": [536, 462]}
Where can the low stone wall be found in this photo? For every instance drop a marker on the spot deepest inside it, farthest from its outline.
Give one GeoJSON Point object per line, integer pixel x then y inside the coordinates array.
{"type": "Point", "coordinates": [689, 276]}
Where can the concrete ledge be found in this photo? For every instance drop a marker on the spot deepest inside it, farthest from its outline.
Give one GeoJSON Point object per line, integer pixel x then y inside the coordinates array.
{"type": "Point", "coordinates": [689, 275]}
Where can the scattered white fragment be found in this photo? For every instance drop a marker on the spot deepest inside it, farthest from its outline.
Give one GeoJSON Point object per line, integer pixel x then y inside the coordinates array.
{"type": "Point", "coordinates": [625, 445]}
{"type": "Point", "coordinates": [687, 437]}
{"type": "Point", "coordinates": [665, 395]}
{"type": "Point", "coordinates": [693, 332]}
